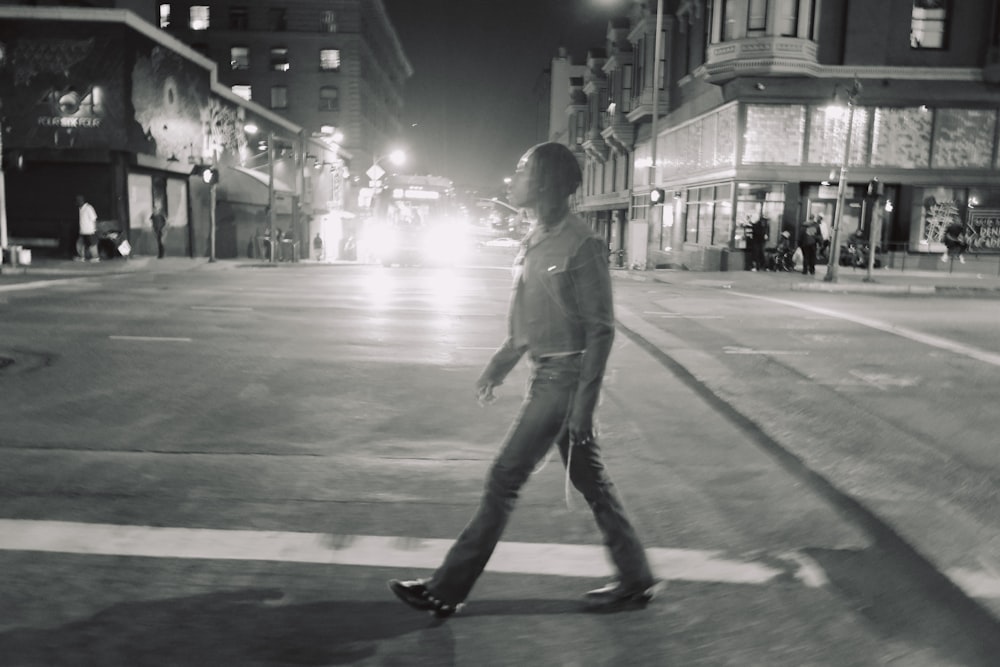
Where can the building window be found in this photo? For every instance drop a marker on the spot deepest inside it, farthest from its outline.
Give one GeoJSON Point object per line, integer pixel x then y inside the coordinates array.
{"type": "Point", "coordinates": [626, 105]}
{"type": "Point", "coordinates": [279, 97]}
{"type": "Point", "coordinates": [329, 60]}
{"type": "Point", "coordinates": [239, 18]}
{"type": "Point", "coordinates": [279, 59]}
{"type": "Point", "coordinates": [929, 24]}
{"type": "Point", "coordinates": [165, 15]}
{"type": "Point", "coordinates": [199, 17]}
{"type": "Point", "coordinates": [277, 19]}
{"type": "Point", "coordinates": [329, 98]}
{"type": "Point", "coordinates": [756, 17]}
{"type": "Point", "coordinates": [730, 25]}
{"type": "Point", "coordinates": [328, 21]}
{"type": "Point", "coordinates": [239, 57]}
{"type": "Point", "coordinates": [788, 18]}
{"type": "Point", "coordinates": [244, 92]}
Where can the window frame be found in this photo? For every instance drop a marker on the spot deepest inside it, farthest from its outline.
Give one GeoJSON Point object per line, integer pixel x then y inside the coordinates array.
{"type": "Point", "coordinates": [283, 102]}
{"type": "Point", "coordinates": [194, 21]}
{"type": "Point", "coordinates": [165, 12]}
{"type": "Point", "coordinates": [239, 17]}
{"type": "Point", "coordinates": [234, 62]}
{"type": "Point", "coordinates": [279, 57]}
{"type": "Point", "coordinates": [277, 19]}
{"type": "Point", "coordinates": [339, 63]}
{"type": "Point", "coordinates": [248, 88]}
{"type": "Point", "coordinates": [945, 6]}
{"type": "Point", "coordinates": [328, 102]}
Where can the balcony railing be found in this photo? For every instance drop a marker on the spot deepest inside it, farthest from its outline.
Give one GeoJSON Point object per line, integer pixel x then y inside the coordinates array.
{"type": "Point", "coordinates": [761, 56]}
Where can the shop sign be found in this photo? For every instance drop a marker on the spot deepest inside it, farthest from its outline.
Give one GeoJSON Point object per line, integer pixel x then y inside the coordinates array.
{"type": "Point", "coordinates": [983, 230]}
{"type": "Point", "coordinates": [69, 107]}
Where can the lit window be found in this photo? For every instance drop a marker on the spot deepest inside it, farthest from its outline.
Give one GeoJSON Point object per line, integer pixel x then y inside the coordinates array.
{"type": "Point", "coordinates": [329, 98]}
{"type": "Point", "coordinates": [164, 15]}
{"type": "Point", "coordinates": [329, 60]}
{"type": "Point", "coordinates": [239, 57]}
{"type": "Point", "coordinates": [928, 24]}
{"type": "Point", "coordinates": [329, 21]}
{"type": "Point", "coordinates": [279, 97]}
{"type": "Point", "coordinates": [279, 59]}
{"type": "Point", "coordinates": [243, 91]}
{"type": "Point", "coordinates": [199, 17]}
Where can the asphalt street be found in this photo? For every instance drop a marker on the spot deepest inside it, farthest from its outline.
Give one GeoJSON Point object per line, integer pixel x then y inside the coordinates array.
{"type": "Point", "coordinates": [221, 465]}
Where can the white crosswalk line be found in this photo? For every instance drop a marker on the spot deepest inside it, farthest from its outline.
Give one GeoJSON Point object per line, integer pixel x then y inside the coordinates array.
{"type": "Point", "coordinates": [561, 560]}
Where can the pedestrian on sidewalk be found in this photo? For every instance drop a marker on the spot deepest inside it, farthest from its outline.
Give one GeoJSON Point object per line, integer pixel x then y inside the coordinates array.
{"type": "Point", "coordinates": [87, 231]}
{"type": "Point", "coordinates": [758, 239]}
{"type": "Point", "coordinates": [159, 227]}
{"type": "Point", "coordinates": [954, 241]}
{"type": "Point", "coordinates": [561, 316]}
{"type": "Point", "coordinates": [808, 243]}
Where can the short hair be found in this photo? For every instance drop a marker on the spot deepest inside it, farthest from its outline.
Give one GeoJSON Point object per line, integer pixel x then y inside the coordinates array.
{"type": "Point", "coordinates": [555, 169]}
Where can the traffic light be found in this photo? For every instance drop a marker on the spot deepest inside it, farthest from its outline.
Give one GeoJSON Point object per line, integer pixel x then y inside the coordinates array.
{"type": "Point", "coordinates": [656, 196]}
{"type": "Point", "coordinates": [210, 175]}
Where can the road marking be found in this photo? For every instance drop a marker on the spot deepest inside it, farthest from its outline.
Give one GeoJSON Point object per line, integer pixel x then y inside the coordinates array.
{"type": "Point", "coordinates": [729, 349]}
{"type": "Point", "coordinates": [559, 560]}
{"type": "Point", "coordinates": [42, 283]}
{"type": "Point", "coordinates": [156, 339]}
{"type": "Point", "coordinates": [681, 315]}
{"type": "Point", "coordinates": [927, 339]}
{"type": "Point", "coordinates": [223, 308]}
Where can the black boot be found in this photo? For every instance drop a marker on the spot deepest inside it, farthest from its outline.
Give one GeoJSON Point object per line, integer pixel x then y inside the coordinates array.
{"type": "Point", "coordinates": [615, 597]}
{"type": "Point", "coordinates": [415, 594]}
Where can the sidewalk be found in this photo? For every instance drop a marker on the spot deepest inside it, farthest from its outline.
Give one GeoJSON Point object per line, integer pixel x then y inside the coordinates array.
{"type": "Point", "coordinates": [969, 279]}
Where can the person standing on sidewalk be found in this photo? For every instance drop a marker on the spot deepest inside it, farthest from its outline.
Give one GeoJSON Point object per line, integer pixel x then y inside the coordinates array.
{"type": "Point", "coordinates": [561, 316]}
{"type": "Point", "coordinates": [808, 243]}
{"type": "Point", "coordinates": [87, 230]}
{"type": "Point", "coordinates": [159, 227]}
{"type": "Point", "coordinates": [758, 239]}
{"type": "Point", "coordinates": [954, 241]}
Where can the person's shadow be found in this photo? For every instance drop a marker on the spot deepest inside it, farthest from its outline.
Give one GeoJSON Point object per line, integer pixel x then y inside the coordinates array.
{"type": "Point", "coordinates": [247, 627]}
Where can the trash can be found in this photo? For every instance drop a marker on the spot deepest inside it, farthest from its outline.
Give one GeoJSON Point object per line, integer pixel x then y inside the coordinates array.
{"type": "Point", "coordinates": [18, 255]}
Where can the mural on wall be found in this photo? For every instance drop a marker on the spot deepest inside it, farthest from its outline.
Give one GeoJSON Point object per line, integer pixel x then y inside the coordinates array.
{"type": "Point", "coordinates": [63, 91]}
{"type": "Point", "coordinates": [226, 135]}
{"type": "Point", "coordinates": [170, 97]}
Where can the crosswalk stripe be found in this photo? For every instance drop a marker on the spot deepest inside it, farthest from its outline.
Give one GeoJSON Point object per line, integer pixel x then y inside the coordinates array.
{"type": "Point", "coordinates": [561, 560]}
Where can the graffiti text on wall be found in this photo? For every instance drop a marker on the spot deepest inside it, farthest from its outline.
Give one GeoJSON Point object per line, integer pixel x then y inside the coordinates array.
{"type": "Point", "coordinates": [983, 230]}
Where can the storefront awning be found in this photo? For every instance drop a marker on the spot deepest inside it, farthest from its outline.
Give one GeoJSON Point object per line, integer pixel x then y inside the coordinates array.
{"type": "Point", "coordinates": [247, 186]}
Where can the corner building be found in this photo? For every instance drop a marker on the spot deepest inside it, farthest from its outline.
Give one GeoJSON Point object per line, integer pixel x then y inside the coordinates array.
{"type": "Point", "coordinates": [755, 100]}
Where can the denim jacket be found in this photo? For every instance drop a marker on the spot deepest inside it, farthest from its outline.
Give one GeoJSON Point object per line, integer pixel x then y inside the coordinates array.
{"type": "Point", "coordinates": [561, 302]}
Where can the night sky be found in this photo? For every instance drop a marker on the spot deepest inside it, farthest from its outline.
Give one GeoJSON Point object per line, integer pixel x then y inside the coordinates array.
{"type": "Point", "coordinates": [476, 66]}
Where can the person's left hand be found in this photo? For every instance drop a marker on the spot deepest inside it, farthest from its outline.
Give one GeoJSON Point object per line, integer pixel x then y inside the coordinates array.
{"type": "Point", "coordinates": [581, 430]}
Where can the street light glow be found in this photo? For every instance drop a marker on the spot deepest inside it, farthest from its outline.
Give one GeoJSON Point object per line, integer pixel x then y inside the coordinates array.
{"type": "Point", "coordinates": [250, 128]}
{"type": "Point", "coordinates": [398, 157]}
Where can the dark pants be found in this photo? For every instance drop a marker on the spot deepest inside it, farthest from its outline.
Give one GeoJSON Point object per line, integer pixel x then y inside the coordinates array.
{"type": "Point", "coordinates": [540, 423]}
{"type": "Point", "coordinates": [757, 255]}
{"type": "Point", "coordinates": [809, 259]}
{"type": "Point", "coordinates": [159, 244]}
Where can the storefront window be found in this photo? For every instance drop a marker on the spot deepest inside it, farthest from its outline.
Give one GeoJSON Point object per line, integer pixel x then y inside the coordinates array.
{"type": "Point", "coordinates": [754, 200]}
{"type": "Point", "coordinates": [709, 215]}
{"type": "Point", "coordinates": [933, 210]}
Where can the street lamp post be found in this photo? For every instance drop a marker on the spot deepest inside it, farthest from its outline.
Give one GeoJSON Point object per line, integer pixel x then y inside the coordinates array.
{"type": "Point", "coordinates": [833, 261]}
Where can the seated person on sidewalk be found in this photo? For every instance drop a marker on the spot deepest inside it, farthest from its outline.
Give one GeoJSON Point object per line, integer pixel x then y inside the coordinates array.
{"type": "Point", "coordinates": [954, 241]}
